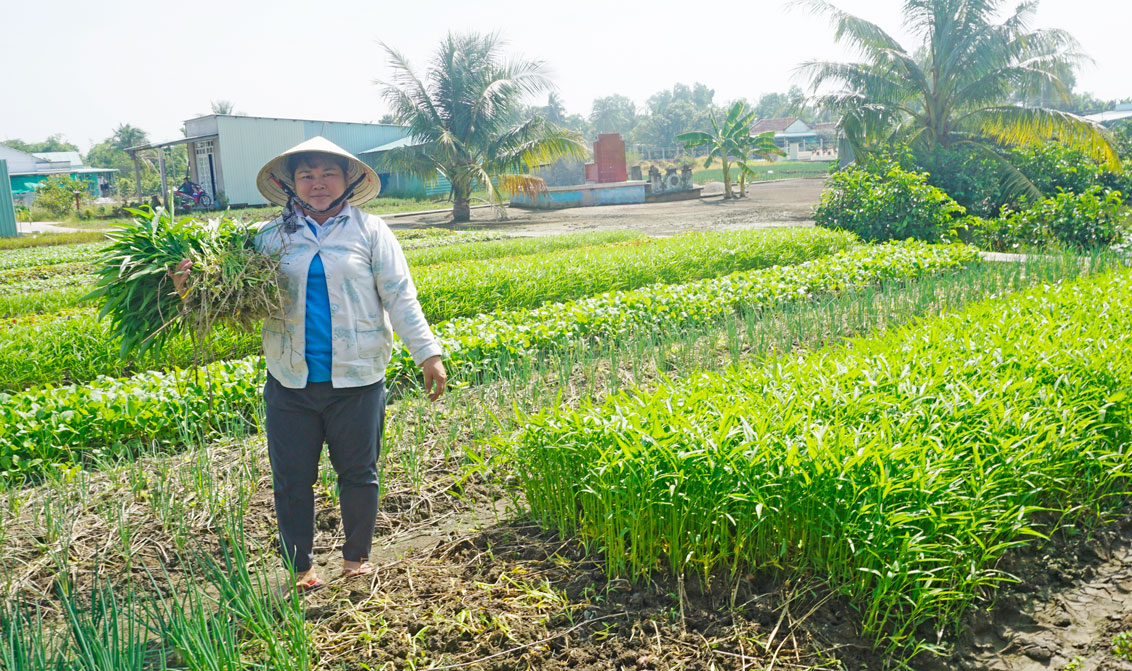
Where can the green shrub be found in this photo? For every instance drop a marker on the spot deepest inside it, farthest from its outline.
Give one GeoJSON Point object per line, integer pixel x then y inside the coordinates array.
{"type": "Point", "coordinates": [1086, 220]}
{"type": "Point", "coordinates": [1053, 167]}
{"type": "Point", "coordinates": [976, 180]}
{"type": "Point", "coordinates": [1122, 134]}
{"type": "Point", "coordinates": [57, 194]}
{"type": "Point", "coordinates": [893, 205]}
{"type": "Point", "coordinates": [969, 176]}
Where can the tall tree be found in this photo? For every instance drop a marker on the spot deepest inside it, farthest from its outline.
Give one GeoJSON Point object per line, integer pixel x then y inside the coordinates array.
{"type": "Point", "coordinates": [464, 115]}
{"type": "Point", "coordinates": [52, 143]}
{"type": "Point", "coordinates": [613, 114]}
{"type": "Point", "coordinates": [672, 112]}
{"type": "Point", "coordinates": [555, 111]}
{"type": "Point", "coordinates": [791, 103]}
{"type": "Point", "coordinates": [111, 153]}
{"type": "Point", "coordinates": [223, 107]}
{"type": "Point", "coordinates": [126, 136]}
{"type": "Point", "coordinates": [955, 90]}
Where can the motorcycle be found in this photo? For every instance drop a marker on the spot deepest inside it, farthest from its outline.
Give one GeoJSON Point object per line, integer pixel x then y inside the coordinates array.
{"type": "Point", "coordinates": [198, 198]}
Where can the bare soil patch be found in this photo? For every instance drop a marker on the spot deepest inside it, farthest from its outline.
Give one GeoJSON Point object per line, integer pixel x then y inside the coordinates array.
{"type": "Point", "coordinates": [768, 204]}
{"type": "Point", "coordinates": [1073, 596]}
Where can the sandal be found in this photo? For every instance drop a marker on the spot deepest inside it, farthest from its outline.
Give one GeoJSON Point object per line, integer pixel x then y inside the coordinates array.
{"type": "Point", "coordinates": [310, 584]}
{"type": "Point", "coordinates": [366, 568]}
{"type": "Point", "coordinates": [302, 586]}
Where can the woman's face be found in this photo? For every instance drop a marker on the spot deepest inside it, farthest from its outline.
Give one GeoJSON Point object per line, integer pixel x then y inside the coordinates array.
{"type": "Point", "coordinates": [319, 181]}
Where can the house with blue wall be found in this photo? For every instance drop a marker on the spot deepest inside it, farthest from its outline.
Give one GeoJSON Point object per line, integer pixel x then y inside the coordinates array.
{"type": "Point", "coordinates": [26, 172]}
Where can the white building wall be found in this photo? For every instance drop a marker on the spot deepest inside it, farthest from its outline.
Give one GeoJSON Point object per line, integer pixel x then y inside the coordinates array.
{"type": "Point", "coordinates": [245, 143]}
{"type": "Point", "coordinates": [17, 160]}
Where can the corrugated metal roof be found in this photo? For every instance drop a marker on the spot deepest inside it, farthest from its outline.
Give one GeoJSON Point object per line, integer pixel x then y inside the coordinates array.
{"type": "Point", "coordinates": [18, 161]}
{"type": "Point", "coordinates": [1113, 115]}
{"type": "Point", "coordinates": [65, 171]}
{"type": "Point", "coordinates": [276, 118]}
{"type": "Point", "coordinates": [396, 144]}
{"type": "Point", "coordinates": [70, 157]}
{"type": "Point", "coordinates": [169, 143]}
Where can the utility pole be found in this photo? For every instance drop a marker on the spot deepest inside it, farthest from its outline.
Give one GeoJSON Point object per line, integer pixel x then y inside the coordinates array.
{"type": "Point", "coordinates": [164, 180]}
{"type": "Point", "coordinates": [137, 174]}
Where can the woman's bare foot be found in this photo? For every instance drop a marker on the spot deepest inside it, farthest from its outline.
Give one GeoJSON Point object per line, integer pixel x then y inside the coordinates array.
{"type": "Point", "coordinates": [356, 568]}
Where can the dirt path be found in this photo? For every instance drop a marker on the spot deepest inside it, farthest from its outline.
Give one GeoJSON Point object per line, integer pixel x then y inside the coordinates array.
{"type": "Point", "coordinates": [768, 204]}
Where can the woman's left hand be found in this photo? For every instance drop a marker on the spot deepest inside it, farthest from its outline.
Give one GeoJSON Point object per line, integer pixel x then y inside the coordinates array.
{"type": "Point", "coordinates": [435, 377]}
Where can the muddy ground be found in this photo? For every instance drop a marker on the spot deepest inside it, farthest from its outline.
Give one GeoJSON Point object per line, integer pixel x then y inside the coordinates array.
{"type": "Point", "coordinates": [778, 203]}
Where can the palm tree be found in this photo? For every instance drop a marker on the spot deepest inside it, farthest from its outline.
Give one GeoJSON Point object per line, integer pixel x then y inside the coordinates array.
{"type": "Point", "coordinates": [223, 107]}
{"type": "Point", "coordinates": [759, 147]}
{"type": "Point", "coordinates": [724, 141]}
{"type": "Point", "coordinates": [955, 92]}
{"type": "Point", "coordinates": [555, 111]}
{"type": "Point", "coordinates": [465, 119]}
{"type": "Point", "coordinates": [126, 136]}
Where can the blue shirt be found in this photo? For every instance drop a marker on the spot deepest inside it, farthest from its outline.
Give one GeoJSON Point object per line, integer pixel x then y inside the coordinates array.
{"type": "Point", "coordinates": [372, 295]}
{"type": "Point", "coordinates": [319, 350]}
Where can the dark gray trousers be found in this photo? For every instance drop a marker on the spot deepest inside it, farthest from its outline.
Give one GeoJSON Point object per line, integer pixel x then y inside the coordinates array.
{"type": "Point", "coordinates": [350, 422]}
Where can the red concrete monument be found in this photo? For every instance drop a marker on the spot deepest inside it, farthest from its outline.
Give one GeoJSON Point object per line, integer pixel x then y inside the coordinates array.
{"type": "Point", "coordinates": [609, 160]}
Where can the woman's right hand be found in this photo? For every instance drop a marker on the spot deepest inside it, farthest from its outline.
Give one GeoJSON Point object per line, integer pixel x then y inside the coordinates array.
{"type": "Point", "coordinates": [180, 276]}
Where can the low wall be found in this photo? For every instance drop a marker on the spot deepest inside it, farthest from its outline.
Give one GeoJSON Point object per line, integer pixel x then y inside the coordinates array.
{"type": "Point", "coordinates": [583, 195]}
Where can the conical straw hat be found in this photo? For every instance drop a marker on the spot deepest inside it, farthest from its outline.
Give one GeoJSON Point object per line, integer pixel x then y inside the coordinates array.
{"type": "Point", "coordinates": [276, 171]}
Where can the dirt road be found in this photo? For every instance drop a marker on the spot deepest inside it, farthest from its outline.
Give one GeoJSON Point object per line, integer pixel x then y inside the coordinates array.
{"type": "Point", "coordinates": [768, 204]}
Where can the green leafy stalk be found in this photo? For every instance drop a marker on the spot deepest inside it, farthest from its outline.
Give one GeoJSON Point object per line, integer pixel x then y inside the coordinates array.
{"type": "Point", "coordinates": [231, 282]}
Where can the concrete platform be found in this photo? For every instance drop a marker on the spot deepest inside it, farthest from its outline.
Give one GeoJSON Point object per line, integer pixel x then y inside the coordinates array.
{"type": "Point", "coordinates": [584, 195]}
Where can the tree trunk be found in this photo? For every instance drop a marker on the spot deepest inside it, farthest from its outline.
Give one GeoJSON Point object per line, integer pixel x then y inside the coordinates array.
{"type": "Point", "coordinates": [742, 185]}
{"type": "Point", "coordinates": [461, 209]}
{"type": "Point", "coordinates": [727, 180]}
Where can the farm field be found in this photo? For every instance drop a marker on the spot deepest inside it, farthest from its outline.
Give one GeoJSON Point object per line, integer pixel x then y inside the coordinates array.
{"type": "Point", "coordinates": [753, 449]}
{"type": "Point", "coordinates": [766, 170]}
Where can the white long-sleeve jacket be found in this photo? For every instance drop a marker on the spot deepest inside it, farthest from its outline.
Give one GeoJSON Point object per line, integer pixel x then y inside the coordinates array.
{"type": "Point", "coordinates": [371, 296]}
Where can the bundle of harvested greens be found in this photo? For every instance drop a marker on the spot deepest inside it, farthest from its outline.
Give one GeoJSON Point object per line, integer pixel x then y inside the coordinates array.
{"type": "Point", "coordinates": [230, 281]}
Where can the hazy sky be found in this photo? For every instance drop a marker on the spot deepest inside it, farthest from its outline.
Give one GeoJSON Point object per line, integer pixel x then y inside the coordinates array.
{"type": "Point", "coordinates": [80, 68]}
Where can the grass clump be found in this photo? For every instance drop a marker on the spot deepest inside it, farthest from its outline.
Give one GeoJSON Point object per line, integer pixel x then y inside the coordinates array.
{"type": "Point", "coordinates": [1122, 645]}
{"type": "Point", "coordinates": [231, 282]}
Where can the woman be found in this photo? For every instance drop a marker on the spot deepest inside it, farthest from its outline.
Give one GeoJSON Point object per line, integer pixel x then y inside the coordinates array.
{"type": "Point", "coordinates": [347, 288]}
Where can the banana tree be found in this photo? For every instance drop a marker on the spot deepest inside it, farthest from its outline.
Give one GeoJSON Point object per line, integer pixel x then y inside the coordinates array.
{"type": "Point", "coordinates": [759, 147]}
{"type": "Point", "coordinates": [725, 141]}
